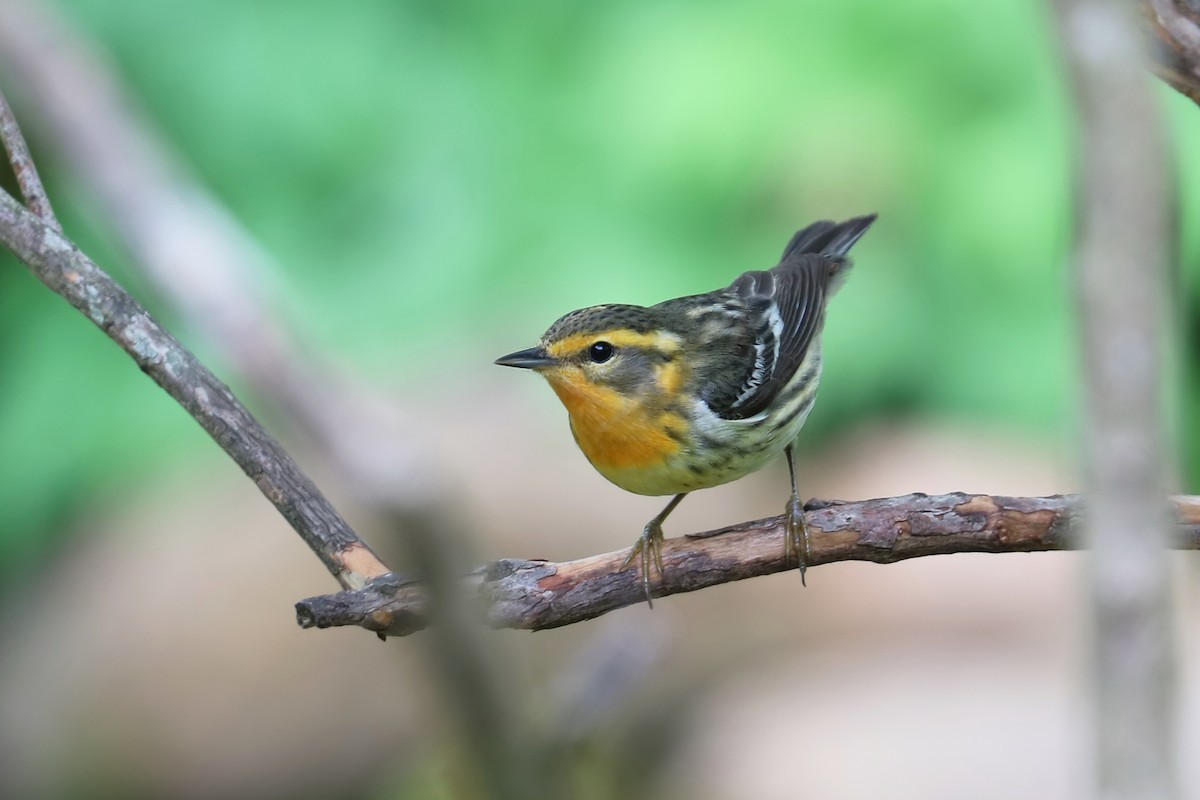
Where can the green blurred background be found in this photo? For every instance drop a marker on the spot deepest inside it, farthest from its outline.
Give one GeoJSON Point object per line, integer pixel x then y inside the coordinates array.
{"type": "Point", "coordinates": [442, 181]}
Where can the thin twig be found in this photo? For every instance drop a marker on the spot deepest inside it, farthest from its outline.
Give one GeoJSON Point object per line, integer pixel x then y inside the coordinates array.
{"type": "Point", "coordinates": [534, 595]}
{"type": "Point", "coordinates": [59, 264]}
{"type": "Point", "coordinates": [23, 167]}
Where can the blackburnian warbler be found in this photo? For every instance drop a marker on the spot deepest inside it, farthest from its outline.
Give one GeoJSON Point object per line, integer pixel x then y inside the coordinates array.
{"type": "Point", "coordinates": [698, 391]}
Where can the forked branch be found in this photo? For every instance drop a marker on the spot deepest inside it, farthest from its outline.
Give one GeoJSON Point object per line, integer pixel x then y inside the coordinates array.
{"type": "Point", "coordinates": [23, 167]}
{"type": "Point", "coordinates": [535, 595]}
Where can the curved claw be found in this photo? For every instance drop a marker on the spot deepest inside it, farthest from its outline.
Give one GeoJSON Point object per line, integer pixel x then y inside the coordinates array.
{"type": "Point", "coordinates": [649, 548]}
{"type": "Point", "coordinates": [796, 543]}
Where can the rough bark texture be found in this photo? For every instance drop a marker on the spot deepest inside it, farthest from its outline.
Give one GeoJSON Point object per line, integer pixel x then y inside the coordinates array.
{"type": "Point", "coordinates": [534, 595]}
{"type": "Point", "coordinates": [23, 167]}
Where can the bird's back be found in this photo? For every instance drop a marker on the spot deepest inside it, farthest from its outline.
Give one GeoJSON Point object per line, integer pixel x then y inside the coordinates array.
{"type": "Point", "coordinates": [753, 337]}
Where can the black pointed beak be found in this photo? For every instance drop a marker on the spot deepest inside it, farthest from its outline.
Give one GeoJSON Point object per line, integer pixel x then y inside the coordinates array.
{"type": "Point", "coordinates": [533, 358]}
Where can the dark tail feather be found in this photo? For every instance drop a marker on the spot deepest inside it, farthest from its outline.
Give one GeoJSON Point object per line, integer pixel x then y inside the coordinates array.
{"type": "Point", "coordinates": [832, 239]}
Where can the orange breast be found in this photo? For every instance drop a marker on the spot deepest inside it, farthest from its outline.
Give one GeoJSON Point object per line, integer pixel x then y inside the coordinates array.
{"type": "Point", "coordinates": [615, 432]}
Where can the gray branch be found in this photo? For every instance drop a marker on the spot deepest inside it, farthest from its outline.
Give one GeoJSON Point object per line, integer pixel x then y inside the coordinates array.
{"type": "Point", "coordinates": [23, 167]}
{"type": "Point", "coordinates": [1120, 282]}
{"type": "Point", "coordinates": [203, 262]}
{"type": "Point", "coordinates": [59, 264]}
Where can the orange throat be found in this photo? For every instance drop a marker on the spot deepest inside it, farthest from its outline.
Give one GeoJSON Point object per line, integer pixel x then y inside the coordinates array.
{"type": "Point", "coordinates": [616, 432]}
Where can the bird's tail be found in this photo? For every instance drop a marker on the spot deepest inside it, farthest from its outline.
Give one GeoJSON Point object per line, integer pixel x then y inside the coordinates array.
{"type": "Point", "coordinates": [826, 238]}
{"type": "Point", "coordinates": [832, 241]}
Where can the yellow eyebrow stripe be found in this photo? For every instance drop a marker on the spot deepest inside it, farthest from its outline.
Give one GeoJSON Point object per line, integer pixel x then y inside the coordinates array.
{"type": "Point", "coordinates": [662, 341]}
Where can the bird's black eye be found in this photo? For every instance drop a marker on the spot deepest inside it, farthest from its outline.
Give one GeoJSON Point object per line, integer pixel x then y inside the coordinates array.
{"type": "Point", "coordinates": [600, 352]}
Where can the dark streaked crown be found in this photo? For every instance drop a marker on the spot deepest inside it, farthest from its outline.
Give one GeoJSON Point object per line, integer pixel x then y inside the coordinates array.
{"type": "Point", "coordinates": [597, 319]}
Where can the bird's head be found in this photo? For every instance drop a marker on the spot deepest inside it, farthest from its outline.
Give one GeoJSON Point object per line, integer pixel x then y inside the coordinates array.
{"type": "Point", "coordinates": [605, 356]}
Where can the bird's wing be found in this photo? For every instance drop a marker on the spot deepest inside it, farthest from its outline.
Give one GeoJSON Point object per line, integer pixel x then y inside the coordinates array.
{"type": "Point", "coordinates": [784, 309]}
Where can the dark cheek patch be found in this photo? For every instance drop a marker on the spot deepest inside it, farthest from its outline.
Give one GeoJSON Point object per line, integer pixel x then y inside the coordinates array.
{"type": "Point", "coordinates": [631, 373]}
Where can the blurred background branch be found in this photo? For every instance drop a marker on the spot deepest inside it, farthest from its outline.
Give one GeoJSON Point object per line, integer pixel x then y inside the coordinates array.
{"type": "Point", "coordinates": [535, 595]}
{"type": "Point", "coordinates": [201, 261]}
{"type": "Point", "coordinates": [204, 264]}
{"type": "Point", "coordinates": [1122, 251]}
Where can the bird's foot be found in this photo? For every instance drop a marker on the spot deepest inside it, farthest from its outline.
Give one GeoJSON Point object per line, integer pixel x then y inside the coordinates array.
{"type": "Point", "coordinates": [796, 542]}
{"type": "Point", "coordinates": [648, 548]}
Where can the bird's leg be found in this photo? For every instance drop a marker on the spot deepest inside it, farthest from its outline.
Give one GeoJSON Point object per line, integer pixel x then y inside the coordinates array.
{"type": "Point", "coordinates": [796, 538]}
{"type": "Point", "coordinates": [649, 546]}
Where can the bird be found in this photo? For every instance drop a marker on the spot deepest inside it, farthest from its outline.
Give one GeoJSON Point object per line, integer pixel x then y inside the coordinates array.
{"type": "Point", "coordinates": [701, 390]}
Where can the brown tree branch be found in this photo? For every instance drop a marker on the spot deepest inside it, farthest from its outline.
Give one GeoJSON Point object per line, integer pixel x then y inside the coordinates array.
{"type": "Point", "coordinates": [534, 595]}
